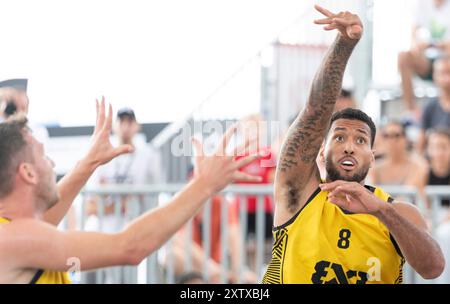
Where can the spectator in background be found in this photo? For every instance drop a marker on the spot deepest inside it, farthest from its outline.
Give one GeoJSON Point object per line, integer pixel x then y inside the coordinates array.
{"type": "Point", "coordinates": [14, 100]}
{"type": "Point", "coordinates": [180, 258]}
{"type": "Point", "coordinates": [379, 146]}
{"type": "Point", "coordinates": [437, 172]}
{"type": "Point", "coordinates": [437, 112]}
{"type": "Point", "coordinates": [398, 163]}
{"type": "Point", "coordinates": [430, 38]}
{"type": "Point", "coordinates": [232, 244]}
{"type": "Point", "coordinates": [438, 151]}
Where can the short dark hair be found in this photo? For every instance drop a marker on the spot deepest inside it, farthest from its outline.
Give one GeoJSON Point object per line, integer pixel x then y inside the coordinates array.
{"type": "Point", "coordinates": [126, 113]}
{"type": "Point", "coordinates": [12, 148]}
{"type": "Point", "coordinates": [355, 114]}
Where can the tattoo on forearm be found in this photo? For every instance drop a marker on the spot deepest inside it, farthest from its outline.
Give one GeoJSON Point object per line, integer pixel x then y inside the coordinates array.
{"type": "Point", "coordinates": [307, 133]}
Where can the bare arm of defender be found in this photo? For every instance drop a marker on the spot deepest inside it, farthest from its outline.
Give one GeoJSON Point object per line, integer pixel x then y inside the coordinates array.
{"type": "Point", "coordinates": [297, 174]}
{"type": "Point", "coordinates": [23, 238]}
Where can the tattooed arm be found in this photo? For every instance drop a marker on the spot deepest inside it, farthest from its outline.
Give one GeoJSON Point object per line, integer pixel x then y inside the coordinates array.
{"type": "Point", "coordinates": [297, 174]}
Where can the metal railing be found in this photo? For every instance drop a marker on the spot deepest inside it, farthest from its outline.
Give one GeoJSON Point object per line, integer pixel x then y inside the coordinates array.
{"type": "Point", "coordinates": [159, 267]}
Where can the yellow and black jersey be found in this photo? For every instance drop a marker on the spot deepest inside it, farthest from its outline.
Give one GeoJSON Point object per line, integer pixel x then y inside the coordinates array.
{"type": "Point", "coordinates": [46, 276]}
{"type": "Point", "coordinates": [324, 244]}
{"type": "Point", "coordinates": [50, 277]}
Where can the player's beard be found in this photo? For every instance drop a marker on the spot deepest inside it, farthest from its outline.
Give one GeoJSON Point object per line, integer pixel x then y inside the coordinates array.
{"type": "Point", "coordinates": [333, 173]}
{"type": "Point", "coordinates": [46, 194]}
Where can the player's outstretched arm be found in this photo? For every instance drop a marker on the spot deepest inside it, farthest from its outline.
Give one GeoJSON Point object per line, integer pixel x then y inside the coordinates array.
{"type": "Point", "coordinates": [297, 164]}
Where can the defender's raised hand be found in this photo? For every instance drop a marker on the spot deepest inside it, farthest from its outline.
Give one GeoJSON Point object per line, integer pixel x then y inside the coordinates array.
{"type": "Point", "coordinates": [221, 168]}
{"type": "Point", "coordinates": [101, 150]}
{"type": "Point", "coordinates": [348, 24]}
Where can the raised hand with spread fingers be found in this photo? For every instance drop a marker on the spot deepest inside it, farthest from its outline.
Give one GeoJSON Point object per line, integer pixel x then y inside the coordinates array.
{"type": "Point", "coordinates": [349, 25]}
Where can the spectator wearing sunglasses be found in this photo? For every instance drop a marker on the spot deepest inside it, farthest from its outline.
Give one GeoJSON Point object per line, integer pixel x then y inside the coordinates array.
{"type": "Point", "coordinates": [398, 161]}
{"type": "Point", "coordinates": [437, 171]}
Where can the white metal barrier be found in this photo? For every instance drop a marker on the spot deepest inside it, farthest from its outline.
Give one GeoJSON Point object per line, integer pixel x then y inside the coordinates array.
{"type": "Point", "coordinates": [159, 267]}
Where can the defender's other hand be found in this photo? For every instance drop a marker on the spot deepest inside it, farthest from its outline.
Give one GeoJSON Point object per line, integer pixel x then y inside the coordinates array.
{"type": "Point", "coordinates": [222, 168]}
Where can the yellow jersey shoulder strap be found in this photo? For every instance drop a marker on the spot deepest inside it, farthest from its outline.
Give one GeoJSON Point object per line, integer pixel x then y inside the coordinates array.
{"type": "Point", "coordinates": [36, 276]}
{"type": "Point", "coordinates": [380, 193]}
{"type": "Point", "coordinates": [293, 218]}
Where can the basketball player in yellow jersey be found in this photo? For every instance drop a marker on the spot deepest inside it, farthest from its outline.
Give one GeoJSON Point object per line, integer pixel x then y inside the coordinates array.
{"type": "Point", "coordinates": [32, 250]}
{"type": "Point", "coordinates": [339, 230]}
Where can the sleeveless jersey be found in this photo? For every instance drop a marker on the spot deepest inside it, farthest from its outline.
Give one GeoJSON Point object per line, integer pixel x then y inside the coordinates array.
{"type": "Point", "coordinates": [324, 244]}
